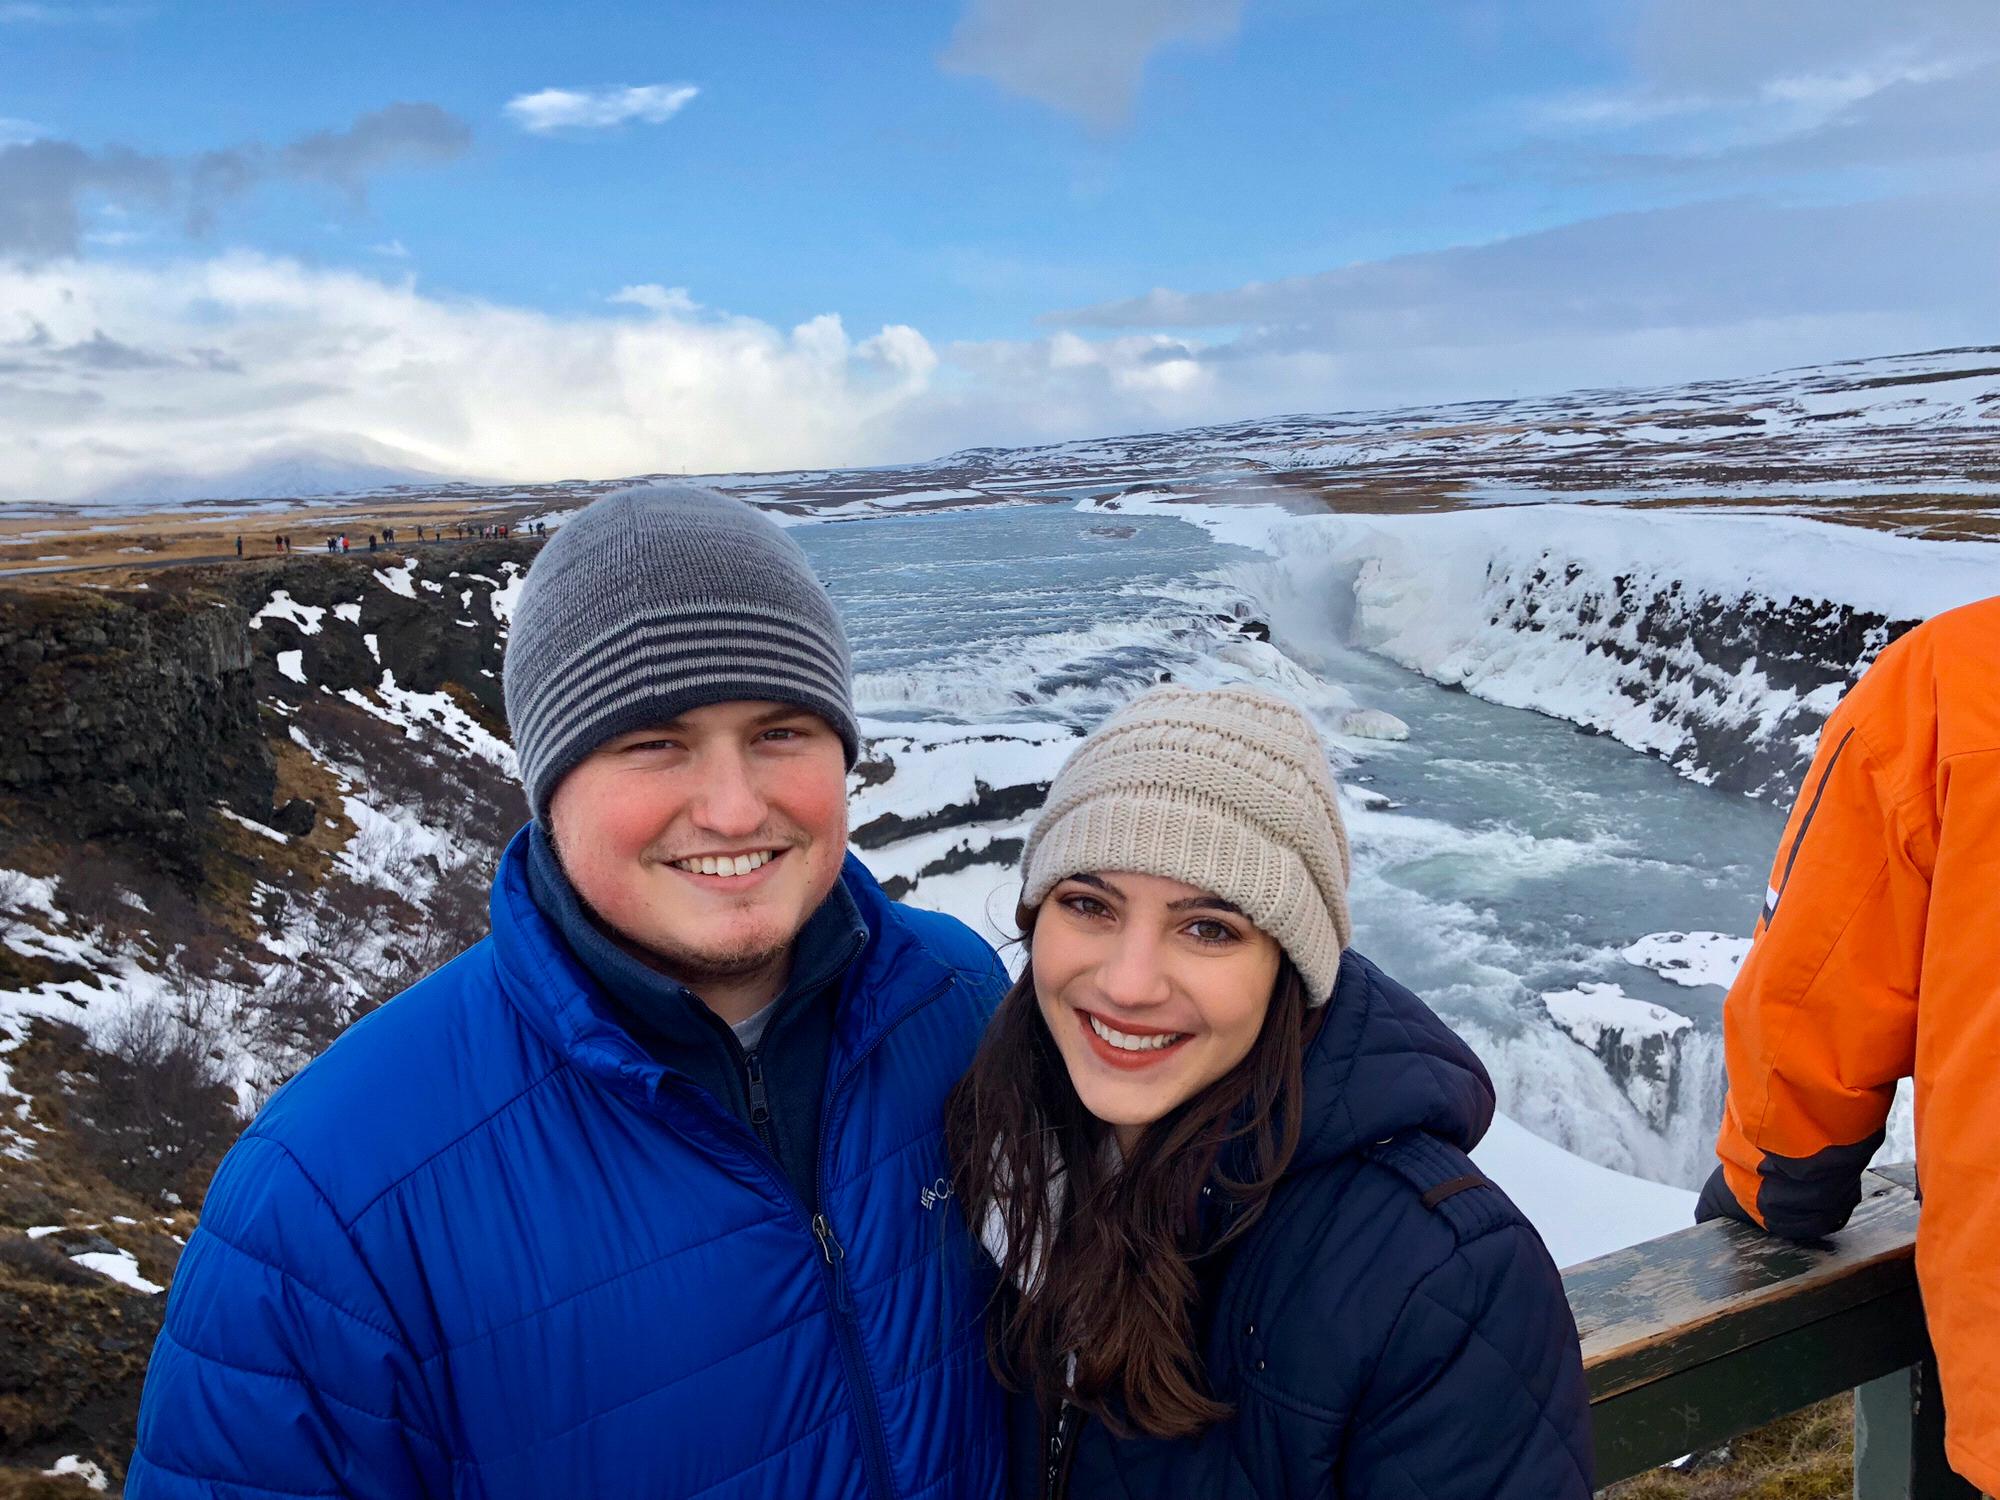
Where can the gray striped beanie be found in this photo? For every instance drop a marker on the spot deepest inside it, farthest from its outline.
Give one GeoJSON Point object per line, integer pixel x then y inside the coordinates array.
{"type": "Point", "coordinates": [1226, 789]}
{"type": "Point", "coordinates": [656, 600]}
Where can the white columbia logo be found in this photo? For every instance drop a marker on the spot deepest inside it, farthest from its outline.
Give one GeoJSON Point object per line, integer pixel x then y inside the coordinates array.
{"type": "Point", "coordinates": [935, 1193]}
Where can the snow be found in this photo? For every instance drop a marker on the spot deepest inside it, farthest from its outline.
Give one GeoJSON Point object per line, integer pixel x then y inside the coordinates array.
{"type": "Point", "coordinates": [351, 613]}
{"type": "Point", "coordinates": [1580, 1209]}
{"type": "Point", "coordinates": [121, 1266]}
{"type": "Point", "coordinates": [397, 580]}
{"type": "Point", "coordinates": [255, 827]}
{"type": "Point", "coordinates": [292, 664]}
{"type": "Point", "coordinates": [1547, 609]}
{"type": "Point", "coordinates": [93, 1477]}
{"type": "Point", "coordinates": [502, 600]}
{"type": "Point", "coordinates": [1591, 1009]}
{"type": "Point", "coordinates": [1373, 724]}
{"type": "Point", "coordinates": [1691, 958]}
{"type": "Point", "coordinates": [282, 606]}
{"type": "Point", "coordinates": [438, 711]}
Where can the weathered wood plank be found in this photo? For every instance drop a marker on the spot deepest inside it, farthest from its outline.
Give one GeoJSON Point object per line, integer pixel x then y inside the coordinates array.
{"type": "Point", "coordinates": [1663, 1307]}
{"type": "Point", "coordinates": [1709, 1402]}
{"type": "Point", "coordinates": [1902, 1173]}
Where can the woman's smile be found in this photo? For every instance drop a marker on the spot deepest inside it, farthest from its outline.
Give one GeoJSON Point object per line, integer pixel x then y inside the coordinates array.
{"type": "Point", "coordinates": [1129, 1046]}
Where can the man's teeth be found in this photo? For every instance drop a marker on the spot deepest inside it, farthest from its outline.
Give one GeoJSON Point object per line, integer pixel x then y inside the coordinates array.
{"type": "Point", "coordinates": [725, 864]}
{"type": "Point", "coordinates": [1127, 1043]}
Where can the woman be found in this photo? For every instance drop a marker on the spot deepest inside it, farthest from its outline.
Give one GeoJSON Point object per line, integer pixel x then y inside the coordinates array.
{"type": "Point", "coordinates": [1220, 1158]}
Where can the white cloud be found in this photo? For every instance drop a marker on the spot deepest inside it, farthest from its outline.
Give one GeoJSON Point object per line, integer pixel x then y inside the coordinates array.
{"type": "Point", "coordinates": [595, 109]}
{"type": "Point", "coordinates": [1744, 89]}
{"type": "Point", "coordinates": [108, 369]}
{"type": "Point", "coordinates": [1710, 265]}
{"type": "Point", "coordinates": [659, 299]}
{"type": "Point", "coordinates": [114, 369]}
{"type": "Point", "coordinates": [1084, 57]}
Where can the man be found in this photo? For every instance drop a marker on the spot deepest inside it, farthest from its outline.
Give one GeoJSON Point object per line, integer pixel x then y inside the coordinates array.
{"type": "Point", "coordinates": [631, 1197]}
{"type": "Point", "coordinates": [1878, 958]}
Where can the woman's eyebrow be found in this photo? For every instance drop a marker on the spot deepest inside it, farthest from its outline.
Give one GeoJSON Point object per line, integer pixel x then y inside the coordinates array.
{"type": "Point", "coordinates": [1205, 902]}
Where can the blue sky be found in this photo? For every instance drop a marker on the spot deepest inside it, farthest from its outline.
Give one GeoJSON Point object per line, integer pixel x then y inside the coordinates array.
{"type": "Point", "coordinates": [503, 241]}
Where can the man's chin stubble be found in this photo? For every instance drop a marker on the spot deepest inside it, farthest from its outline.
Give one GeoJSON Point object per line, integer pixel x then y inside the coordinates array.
{"type": "Point", "coordinates": [693, 968]}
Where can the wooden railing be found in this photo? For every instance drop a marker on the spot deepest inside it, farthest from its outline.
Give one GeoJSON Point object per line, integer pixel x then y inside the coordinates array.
{"type": "Point", "coordinates": [1694, 1338]}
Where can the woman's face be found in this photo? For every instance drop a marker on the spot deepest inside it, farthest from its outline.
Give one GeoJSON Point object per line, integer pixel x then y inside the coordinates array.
{"type": "Point", "coordinates": [1152, 989]}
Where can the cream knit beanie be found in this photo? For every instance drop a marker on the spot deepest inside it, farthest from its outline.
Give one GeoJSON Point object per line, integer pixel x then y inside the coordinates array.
{"type": "Point", "coordinates": [1226, 789]}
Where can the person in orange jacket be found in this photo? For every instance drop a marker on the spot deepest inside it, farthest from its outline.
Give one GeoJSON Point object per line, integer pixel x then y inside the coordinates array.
{"type": "Point", "coordinates": [1876, 958]}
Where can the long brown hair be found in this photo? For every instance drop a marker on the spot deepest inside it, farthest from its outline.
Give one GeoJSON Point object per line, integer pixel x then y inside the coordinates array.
{"type": "Point", "coordinates": [1100, 1253]}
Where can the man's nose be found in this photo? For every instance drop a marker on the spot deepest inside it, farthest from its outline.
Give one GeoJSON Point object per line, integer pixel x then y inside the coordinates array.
{"type": "Point", "coordinates": [727, 801]}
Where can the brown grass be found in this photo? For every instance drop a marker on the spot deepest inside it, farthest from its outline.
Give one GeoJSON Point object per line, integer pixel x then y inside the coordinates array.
{"type": "Point", "coordinates": [208, 533]}
{"type": "Point", "coordinates": [1806, 1456]}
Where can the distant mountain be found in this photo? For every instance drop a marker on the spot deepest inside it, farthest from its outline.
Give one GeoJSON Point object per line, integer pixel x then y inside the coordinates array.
{"type": "Point", "coordinates": [284, 474]}
{"type": "Point", "coordinates": [1890, 425]}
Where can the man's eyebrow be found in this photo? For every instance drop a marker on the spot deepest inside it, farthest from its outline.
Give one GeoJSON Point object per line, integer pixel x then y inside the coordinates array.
{"type": "Point", "coordinates": [783, 711]}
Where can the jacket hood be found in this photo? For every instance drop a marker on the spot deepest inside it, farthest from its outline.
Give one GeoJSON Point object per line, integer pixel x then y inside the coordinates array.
{"type": "Point", "coordinates": [1383, 1064]}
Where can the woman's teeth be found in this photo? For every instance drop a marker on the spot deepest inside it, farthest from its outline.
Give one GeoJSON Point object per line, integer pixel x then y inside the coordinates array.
{"type": "Point", "coordinates": [725, 864]}
{"type": "Point", "coordinates": [1125, 1042]}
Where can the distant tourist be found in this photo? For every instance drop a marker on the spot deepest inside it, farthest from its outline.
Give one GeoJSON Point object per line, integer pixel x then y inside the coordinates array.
{"type": "Point", "coordinates": [371, 541]}
{"type": "Point", "coordinates": [1875, 958]}
{"type": "Point", "coordinates": [1220, 1157]}
{"type": "Point", "coordinates": [635, 1196]}
{"type": "Point", "coordinates": [239, 546]}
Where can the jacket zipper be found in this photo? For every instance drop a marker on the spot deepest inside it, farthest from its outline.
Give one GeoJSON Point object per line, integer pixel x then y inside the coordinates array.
{"type": "Point", "coordinates": [1804, 826]}
{"type": "Point", "coordinates": [860, 1385]}
{"type": "Point", "coordinates": [1059, 1452]}
{"type": "Point", "coordinates": [760, 1103]}
{"type": "Point", "coordinates": [874, 1441]}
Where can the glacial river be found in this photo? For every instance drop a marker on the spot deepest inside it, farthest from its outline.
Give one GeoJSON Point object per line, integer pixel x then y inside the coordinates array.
{"type": "Point", "coordinates": [1505, 855]}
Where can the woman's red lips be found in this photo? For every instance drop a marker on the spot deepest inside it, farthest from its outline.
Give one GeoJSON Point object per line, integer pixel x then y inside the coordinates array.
{"type": "Point", "coordinates": [1119, 1057]}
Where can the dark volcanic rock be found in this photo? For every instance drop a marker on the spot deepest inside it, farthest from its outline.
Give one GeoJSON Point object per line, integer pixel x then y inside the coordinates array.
{"type": "Point", "coordinates": [988, 805]}
{"type": "Point", "coordinates": [127, 714]}
{"type": "Point", "coordinates": [1743, 684]}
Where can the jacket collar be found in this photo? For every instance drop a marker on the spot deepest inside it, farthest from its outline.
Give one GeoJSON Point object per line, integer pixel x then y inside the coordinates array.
{"type": "Point", "coordinates": [664, 1015]}
{"type": "Point", "coordinates": [894, 973]}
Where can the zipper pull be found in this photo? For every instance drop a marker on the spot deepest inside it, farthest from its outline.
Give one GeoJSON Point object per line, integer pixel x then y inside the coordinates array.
{"type": "Point", "coordinates": [835, 1257]}
{"type": "Point", "coordinates": [760, 1101]}
{"type": "Point", "coordinates": [1054, 1485]}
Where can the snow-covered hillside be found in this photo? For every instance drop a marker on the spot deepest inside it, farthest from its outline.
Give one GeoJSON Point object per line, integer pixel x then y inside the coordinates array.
{"type": "Point", "coordinates": [1717, 641]}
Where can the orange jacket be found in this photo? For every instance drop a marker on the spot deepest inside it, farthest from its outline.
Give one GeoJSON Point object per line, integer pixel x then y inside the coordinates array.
{"type": "Point", "coordinates": [1877, 958]}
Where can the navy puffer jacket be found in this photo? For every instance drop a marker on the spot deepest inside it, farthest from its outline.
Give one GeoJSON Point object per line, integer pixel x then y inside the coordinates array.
{"type": "Point", "coordinates": [486, 1247]}
{"type": "Point", "coordinates": [1391, 1329]}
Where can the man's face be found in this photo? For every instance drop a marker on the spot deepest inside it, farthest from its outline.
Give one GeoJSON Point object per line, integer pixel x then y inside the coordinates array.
{"type": "Point", "coordinates": [647, 825]}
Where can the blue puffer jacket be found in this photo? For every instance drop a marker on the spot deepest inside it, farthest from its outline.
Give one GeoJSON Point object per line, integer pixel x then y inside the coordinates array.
{"type": "Point", "coordinates": [485, 1247]}
{"type": "Point", "coordinates": [1391, 1329]}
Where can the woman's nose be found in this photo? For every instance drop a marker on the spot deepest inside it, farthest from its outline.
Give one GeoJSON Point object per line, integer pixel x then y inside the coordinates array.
{"type": "Point", "coordinates": [1133, 974]}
